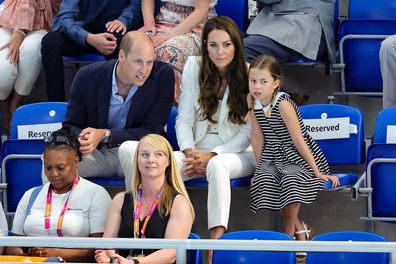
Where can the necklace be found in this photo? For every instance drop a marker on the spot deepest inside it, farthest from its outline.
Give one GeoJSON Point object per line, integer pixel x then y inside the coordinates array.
{"type": "Point", "coordinates": [267, 110]}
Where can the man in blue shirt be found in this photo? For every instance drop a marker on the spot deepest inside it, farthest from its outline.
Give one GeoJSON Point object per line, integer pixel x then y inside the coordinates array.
{"type": "Point", "coordinates": [119, 100]}
{"type": "Point", "coordinates": [85, 26]}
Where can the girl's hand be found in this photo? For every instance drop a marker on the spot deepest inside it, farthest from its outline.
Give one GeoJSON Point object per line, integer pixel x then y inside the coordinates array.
{"type": "Point", "coordinates": [334, 179]}
{"type": "Point", "coordinates": [149, 27]}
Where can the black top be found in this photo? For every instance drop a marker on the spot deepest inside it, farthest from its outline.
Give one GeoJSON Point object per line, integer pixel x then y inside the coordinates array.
{"type": "Point", "coordinates": [156, 226]}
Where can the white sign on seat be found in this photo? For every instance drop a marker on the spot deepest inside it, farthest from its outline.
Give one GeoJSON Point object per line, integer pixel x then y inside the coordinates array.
{"type": "Point", "coordinates": [37, 131]}
{"type": "Point", "coordinates": [330, 128]}
{"type": "Point", "coordinates": [391, 134]}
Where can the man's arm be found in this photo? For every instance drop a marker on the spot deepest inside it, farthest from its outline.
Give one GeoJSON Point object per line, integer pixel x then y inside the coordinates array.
{"type": "Point", "coordinates": [157, 116]}
{"type": "Point", "coordinates": [76, 112]}
{"type": "Point", "coordinates": [66, 22]}
{"type": "Point", "coordinates": [131, 16]}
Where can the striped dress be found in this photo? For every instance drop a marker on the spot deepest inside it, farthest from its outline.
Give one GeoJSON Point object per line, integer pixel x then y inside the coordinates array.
{"type": "Point", "coordinates": [282, 176]}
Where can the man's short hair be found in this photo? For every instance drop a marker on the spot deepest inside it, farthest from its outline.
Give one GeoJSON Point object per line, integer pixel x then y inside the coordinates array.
{"type": "Point", "coordinates": [126, 44]}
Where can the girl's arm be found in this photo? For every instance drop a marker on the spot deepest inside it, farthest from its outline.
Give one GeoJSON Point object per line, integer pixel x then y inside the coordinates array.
{"type": "Point", "coordinates": [257, 137]}
{"type": "Point", "coordinates": [289, 116]}
{"type": "Point", "coordinates": [112, 227]}
{"type": "Point", "coordinates": [257, 134]}
{"type": "Point", "coordinates": [148, 16]}
{"type": "Point", "coordinates": [200, 13]}
{"type": "Point", "coordinates": [178, 227]}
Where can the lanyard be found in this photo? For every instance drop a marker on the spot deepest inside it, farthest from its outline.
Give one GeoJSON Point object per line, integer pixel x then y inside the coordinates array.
{"type": "Point", "coordinates": [136, 218]}
{"type": "Point", "coordinates": [48, 206]}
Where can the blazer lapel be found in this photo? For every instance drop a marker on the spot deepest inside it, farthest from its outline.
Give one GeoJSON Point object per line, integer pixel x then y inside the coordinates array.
{"type": "Point", "coordinates": [223, 115]}
{"type": "Point", "coordinates": [104, 95]}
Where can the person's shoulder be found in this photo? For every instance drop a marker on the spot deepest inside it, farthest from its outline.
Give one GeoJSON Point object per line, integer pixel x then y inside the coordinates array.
{"type": "Point", "coordinates": [92, 187]}
{"type": "Point", "coordinates": [97, 67]}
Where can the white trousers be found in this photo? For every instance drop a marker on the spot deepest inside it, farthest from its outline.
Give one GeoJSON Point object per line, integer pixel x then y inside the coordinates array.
{"type": "Point", "coordinates": [219, 171]}
{"type": "Point", "coordinates": [22, 76]}
{"type": "Point", "coordinates": [388, 70]}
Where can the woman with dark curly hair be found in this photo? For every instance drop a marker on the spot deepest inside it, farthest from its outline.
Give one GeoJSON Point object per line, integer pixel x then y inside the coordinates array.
{"type": "Point", "coordinates": [213, 129]}
{"type": "Point", "coordinates": [68, 205]}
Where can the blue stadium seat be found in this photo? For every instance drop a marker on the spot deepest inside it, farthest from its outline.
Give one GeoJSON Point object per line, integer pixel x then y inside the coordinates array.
{"type": "Point", "coordinates": [385, 118]}
{"type": "Point", "coordinates": [379, 182]}
{"type": "Point", "coordinates": [84, 58]}
{"type": "Point", "coordinates": [48, 114]}
{"type": "Point", "coordinates": [21, 169]}
{"type": "Point", "coordinates": [347, 150]}
{"type": "Point", "coordinates": [248, 256]}
{"type": "Point", "coordinates": [194, 256]}
{"type": "Point", "coordinates": [238, 10]}
{"type": "Point", "coordinates": [348, 257]}
{"type": "Point", "coordinates": [21, 154]}
{"type": "Point", "coordinates": [360, 36]}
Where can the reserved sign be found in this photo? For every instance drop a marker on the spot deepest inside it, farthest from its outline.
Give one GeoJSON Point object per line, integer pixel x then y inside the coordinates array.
{"type": "Point", "coordinates": [328, 128]}
{"type": "Point", "coordinates": [391, 134]}
{"type": "Point", "coordinates": [37, 131]}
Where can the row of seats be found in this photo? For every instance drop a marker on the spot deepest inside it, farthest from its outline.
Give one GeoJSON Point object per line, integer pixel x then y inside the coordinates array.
{"type": "Point", "coordinates": [341, 139]}
{"type": "Point", "coordinates": [241, 256]}
{"type": "Point", "coordinates": [369, 22]}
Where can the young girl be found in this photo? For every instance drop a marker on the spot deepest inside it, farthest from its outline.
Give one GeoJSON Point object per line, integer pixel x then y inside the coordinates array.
{"type": "Point", "coordinates": [291, 168]}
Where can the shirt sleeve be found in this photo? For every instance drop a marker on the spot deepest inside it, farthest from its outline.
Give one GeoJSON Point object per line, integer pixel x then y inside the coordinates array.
{"type": "Point", "coordinates": [20, 214]}
{"type": "Point", "coordinates": [98, 211]}
{"type": "Point", "coordinates": [132, 16]}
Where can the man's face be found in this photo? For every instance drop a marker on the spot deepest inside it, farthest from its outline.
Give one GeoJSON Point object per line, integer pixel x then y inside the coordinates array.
{"type": "Point", "coordinates": [135, 67]}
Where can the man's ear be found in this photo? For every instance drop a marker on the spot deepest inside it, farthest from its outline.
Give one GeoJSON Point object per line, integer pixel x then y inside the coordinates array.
{"type": "Point", "coordinates": [121, 55]}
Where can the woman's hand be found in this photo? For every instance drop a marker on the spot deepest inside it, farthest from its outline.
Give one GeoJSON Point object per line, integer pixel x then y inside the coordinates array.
{"type": "Point", "coordinates": [122, 260]}
{"type": "Point", "coordinates": [13, 45]}
{"type": "Point", "coordinates": [14, 251]}
{"type": "Point", "coordinates": [334, 179]}
{"type": "Point", "coordinates": [149, 27]}
{"type": "Point", "coordinates": [103, 256]}
{"type": "Point", "coordinates": [42, 252]}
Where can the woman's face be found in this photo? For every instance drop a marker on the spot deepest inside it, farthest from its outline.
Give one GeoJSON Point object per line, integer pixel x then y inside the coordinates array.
{"type": "Point", "coordinates": [60, 167]}
{"type": "Point", "coordinates": [151, 162]}
{"type": "Point", "coordinates": [221, 50]}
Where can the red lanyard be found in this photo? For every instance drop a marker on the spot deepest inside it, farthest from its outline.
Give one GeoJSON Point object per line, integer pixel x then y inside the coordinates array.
{"type": "Point", "coordinates": [136, 217]}
{"type": "Point", "coordinates": [48, 206]}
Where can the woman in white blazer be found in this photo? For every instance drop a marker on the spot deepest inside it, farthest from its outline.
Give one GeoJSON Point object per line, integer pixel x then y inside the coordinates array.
{"type": "Point", "coordinates": [212, 127]}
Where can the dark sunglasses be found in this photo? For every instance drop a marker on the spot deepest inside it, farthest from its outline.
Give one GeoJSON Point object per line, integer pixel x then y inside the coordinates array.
{"type": "Point", "coordinates": [57, 139]}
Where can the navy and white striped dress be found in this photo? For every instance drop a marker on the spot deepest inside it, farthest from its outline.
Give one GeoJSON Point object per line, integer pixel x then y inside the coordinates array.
{"type": "Point", "coordinates": [282, 176]}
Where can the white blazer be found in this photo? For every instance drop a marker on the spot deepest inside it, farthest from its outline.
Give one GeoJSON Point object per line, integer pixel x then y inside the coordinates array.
{"type": "Point", "coordinates": [190, 129]}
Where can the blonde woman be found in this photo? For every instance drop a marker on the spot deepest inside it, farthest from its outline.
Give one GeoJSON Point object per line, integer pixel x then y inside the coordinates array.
{"type": "Point", "coordinates": [157, 206]}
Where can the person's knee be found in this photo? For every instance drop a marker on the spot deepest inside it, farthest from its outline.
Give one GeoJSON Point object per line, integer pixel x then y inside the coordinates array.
{"type": "Point", "coordinates": [51, 42]}
{"type": "Point", "coordinates": [388, 43]}
{"type": "Point", "coordinates": [127, 150]}
{"type": "Point", "coordinates": [216, 168]}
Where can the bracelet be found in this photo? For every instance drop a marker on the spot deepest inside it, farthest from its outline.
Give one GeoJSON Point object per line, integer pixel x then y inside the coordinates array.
{"type": "Point", "coordinates": [18, 30]}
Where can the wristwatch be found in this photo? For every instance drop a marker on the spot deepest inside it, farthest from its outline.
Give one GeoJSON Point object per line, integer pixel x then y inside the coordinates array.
{"type": "Point", "coordinates": [106, 137]}
{"type": "Point", "coordinates": [136, 260]}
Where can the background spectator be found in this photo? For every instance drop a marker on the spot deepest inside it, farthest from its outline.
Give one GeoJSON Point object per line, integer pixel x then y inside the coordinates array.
{"type": "Point", "coordinates": [67, 206]}
{"type": "Point", "coordinates": [23, 23]}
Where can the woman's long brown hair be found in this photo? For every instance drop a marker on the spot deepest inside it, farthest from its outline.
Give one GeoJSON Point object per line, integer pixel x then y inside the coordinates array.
{"type": "Point", "coordinates": [235, 75]}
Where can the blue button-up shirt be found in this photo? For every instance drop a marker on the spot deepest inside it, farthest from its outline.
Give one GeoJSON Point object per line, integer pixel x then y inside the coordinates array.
{"type": "Point", "coordinates": [119, 108]}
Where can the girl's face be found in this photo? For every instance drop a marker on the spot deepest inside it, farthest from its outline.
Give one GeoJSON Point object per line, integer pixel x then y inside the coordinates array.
{"type": "Point", "coordinates": [262, 85]}
{"type": "Point", "coordinates": [221, 50]}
